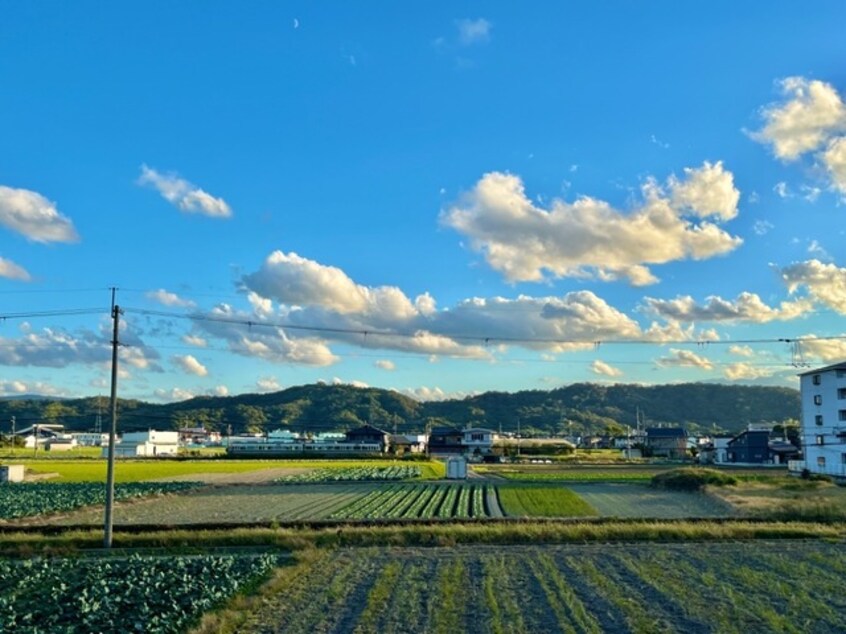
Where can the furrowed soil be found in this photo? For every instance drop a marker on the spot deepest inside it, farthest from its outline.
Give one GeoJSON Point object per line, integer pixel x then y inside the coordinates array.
{"type": "Point", "coordinates": [612, 499]}
{"type": "Point", "coordinates": [761, 586]}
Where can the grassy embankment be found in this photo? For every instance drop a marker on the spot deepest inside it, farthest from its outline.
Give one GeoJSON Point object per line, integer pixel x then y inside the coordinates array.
{"type": "Point", "coordinates": [133, 470]}
{"type": "Point", "coordinates": [515, 532]}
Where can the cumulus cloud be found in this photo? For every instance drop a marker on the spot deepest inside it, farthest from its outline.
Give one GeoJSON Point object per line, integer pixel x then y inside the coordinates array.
{"type": "Point", "coordinates": [685, 359]}
{"type": "Point", "coordinates": [314, 296]}
{"type": "Point", "coordinates": [473, 31]}
{"type": "Point", "coordinates": [16, 388]}
{"type": "Point", "coordinates": [195, 340]}
{"type": "Point", "coordinates": [190, 365]}
{"type": "Point", "coordinates": [826, 350]}
{"type": "Point", "coordinates": [809, 114]}
{"type": "Point", "coordinates": [186, 196]}
{"type": "Point", "coordinates": [782, 190]}
{"type": "Point", "coordinates": [354, 383]}
{"type": "Point", "coordinates": [741, 351]}
{"type": "Point", "coordinates": [12, 271]}
{"type": "Point", "coordinates": [34, 217]}
{"type": "Point", "coordinates": [825, 283]}
{"type": "Point", "coordinates": [385, 364]}
{"type": "Point", "coordinates": [173, 395]}
{"type": "Point", "coordinates": [167, 298]}
{"type": "Point", "coordinates": [58, 348]}
{"type": "Point", "coordinates": [591, 239]}
{"type": "Point", "coordinates": [747, 307]}
{"type": "Point", "coordinates": [424, 393]}
{"type": "Point", "coordinates": [811, 118]}
{"type": "Point", "coordinates": [745, 371]}
{"type": "Point", "coordinates": [268, 384]}
{"type": "Point", "coordinates": [602, 368]}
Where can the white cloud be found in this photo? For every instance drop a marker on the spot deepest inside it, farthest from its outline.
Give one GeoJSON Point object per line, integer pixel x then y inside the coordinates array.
{"type": "Point", "coordinates": [602, 368]}
{"type": "Point", "coordinates": [826, 350]}
{"type": "Point", "coordinates": [353, 383]}
{"type": "Point", "coordinates": [15, 387]}
{"type": "Point", "coordinates": [685, 359]}
{"type": "Point", "coordinates": [741, 351]}
{"type": "Point", "coordinates": [811, 112]}
{"type": "Point", "coordinates": [745, 371]}
{"type": "Point", "coordinates": [811, 193]}
{"type": "Point", "coordinates": [34, 217]}
{"type": "Point", "coordinates": [782, 190]}
{"type": "Point", "coordinates": [57, 348]}
{"type": "Point", "coordinates": [825, 282]}
{"type": "Point", "coordinates": [174, 394]}
{"type": "Point", "coordinates": [812, 118]}
{"type": "Point", "coordinates": [186, 196]}
{"type": "Point", "coordinates": [762, 227]}
{"type": "Point", "coordinates": [816, 249]}
{"type": "Point", "coordinates": [834, 160]}
{"type": "Point", "coordinates": [424, 393]}
{"type": "Point", "coordinates": [12, 271]}
{"type": "Point", "coordinates": [219, 390]}
{"type": "Point", "coordinates": [167, 298]}
{"type": "Point", "coordinates": [473, 31]}
{"type": "Point", "coordinates": [190, 365]}
{"type": "Point", "coordinates": [268, 384]}
{"type": "Point", "coordinates": [195, 340]}
{"type": "Point", "coordinates": [589, 238]}
{"type": "Point", "coordinates": [315, 296]}
{"type": "Point", "coordinates": [385, 364]}
{"type": "Point", "coordinates": [747, 307]}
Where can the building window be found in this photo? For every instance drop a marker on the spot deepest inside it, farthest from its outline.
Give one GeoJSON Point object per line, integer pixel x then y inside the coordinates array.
{"type": "Point", "coordinates": [841, 393]}
{"type": "Point", "coordinates": [820, 439]}
{"type": "Point", "coordinates": [841, 374]}
{"type": "Point", "coordinates": [843, 458]}
{"type": "Point", "coordinates": [817, 399]}
{"type": "Point", "coordinates": [818, 419]}
{"type": "Point", "coordinates": [817, 379]}
{"type": "Point", "coordinates": [820, 461]}
{"type": "Point", "coordinates": [841, 414]}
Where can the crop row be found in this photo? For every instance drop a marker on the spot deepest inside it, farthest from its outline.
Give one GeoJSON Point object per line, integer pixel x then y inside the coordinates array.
{"type": "Point", "coordinates": [739, 587]}
{"type": "Point", "coordinates": [414, 501]}
{"type": "Point", "coordinates": [38, 498]}
{"type": "Point", "coordinates": [136, 594]}
{"type": "Point", "coordinates": [354, 474]}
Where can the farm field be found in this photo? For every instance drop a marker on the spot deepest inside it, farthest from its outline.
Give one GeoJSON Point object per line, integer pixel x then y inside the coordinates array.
{"type": "Point", "coordinates": [136, 593]}
{"type": "Point", "coordinates": [81, 470]}
{"type": "Point", "coordinates": [602, 472]}
{"type": "Point", "coordinates": [761, 586]}
{"type": "Point", "coordinates": [380, 501]}
{"type": "Point", "coordinates": [284, 503]}
{"type": "Point", "coordinates": [543, 501]}
{"type": "Point", "coordinates": [631, 500]}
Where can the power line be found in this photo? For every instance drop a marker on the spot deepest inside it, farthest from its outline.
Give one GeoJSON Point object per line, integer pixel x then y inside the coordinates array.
{"type": "Point", "coordinates": [53, 313]}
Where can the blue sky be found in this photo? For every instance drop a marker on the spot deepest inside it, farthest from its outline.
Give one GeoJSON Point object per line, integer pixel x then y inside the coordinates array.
{"type": "Point", "coordinates": [501, 197]}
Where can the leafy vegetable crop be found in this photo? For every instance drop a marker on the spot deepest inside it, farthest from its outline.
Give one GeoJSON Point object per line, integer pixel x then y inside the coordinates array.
{"type": "Point", "coordinates": [136, 594]}
{"type": "Point", "coordinates": [355, 474]}
{"type": "Point", "coordinates": [38, 498]}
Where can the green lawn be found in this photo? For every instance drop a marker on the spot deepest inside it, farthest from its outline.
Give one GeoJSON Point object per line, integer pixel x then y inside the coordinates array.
{"type": "Point", "coordinates": [543, 502]}
{"type": "Point", "coordinates": [132, 470]}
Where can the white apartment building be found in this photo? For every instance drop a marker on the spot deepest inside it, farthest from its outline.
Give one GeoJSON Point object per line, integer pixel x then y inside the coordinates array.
{"type": "Point", "coordinates": [823, 393]}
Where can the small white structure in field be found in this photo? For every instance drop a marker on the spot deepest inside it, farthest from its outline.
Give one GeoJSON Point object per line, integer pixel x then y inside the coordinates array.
{"type": "Point", "coordinates": [11, 473]}
{"type": "Point", "coordinates": [146, 444]}
{"type": "Point", "coordinates": [456, 468]}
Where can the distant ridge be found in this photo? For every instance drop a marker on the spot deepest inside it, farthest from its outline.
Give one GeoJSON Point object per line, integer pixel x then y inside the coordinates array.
{"type": "Point", "coordinates": [577, 409]}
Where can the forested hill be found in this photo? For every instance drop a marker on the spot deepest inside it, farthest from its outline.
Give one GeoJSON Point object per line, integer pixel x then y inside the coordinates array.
{"type": "Point", "coordinates": [578, 409]}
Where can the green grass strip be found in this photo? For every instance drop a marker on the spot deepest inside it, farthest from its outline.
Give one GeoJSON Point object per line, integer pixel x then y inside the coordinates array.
{"type": "Point", "coordinates": [543, 502]}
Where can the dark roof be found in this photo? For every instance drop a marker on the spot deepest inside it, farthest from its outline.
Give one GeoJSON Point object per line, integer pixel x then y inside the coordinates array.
{"type": "Point", "coordinates": [666, 432]}
{"type": "Point", "coordinates": [445, 431]}
{"type": "Point", "coordinates": [834, 366]}
{"type": "Point", "coordinates": [367, 429]}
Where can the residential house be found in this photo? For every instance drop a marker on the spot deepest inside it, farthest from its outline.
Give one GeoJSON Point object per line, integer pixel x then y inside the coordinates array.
{"type": "Point", "coordinates": [478, 441]}
{"type": "Point", "coordinates": [445, 441]}
{"type": "Point", "coordinates": [369, 435]}
{"type": "Point", "coordinates": [749, 447]}
{"type": "Point", "coordinates": [667, 442]}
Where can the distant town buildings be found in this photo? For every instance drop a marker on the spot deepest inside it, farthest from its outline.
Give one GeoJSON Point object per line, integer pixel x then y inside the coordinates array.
{"type": "Point", "coordinates": [823, 423]}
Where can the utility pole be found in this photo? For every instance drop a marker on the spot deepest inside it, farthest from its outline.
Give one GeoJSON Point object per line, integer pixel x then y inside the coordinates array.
{"type": "Point", "coordinates": [14, 438]}
{"type": "Point", "coordinates": [110, 472]}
